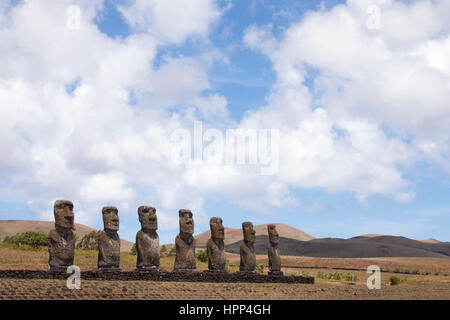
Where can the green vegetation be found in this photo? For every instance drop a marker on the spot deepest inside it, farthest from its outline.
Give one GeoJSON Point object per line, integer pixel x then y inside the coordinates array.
{"type": "Point", "coordinates": [133, 250]}
{"type": "Point", "coordinates": [394, 280]}
{"type": "Point", "coordinates": [89, 241]}
{"type": "Point", "coordinates": [415, 271]}
{"type": "Point", "coordinates": [436, 273]}
{"type": "Point", "coordinates": [260, 267]}
{"type": "Point", "coordinates": [350, 277]}
{"type": "Point", "coordinates": [202, 256]}
{"type": "Point", "coordinates": [336, 276]}
{"type": "Point", "coordinates": [163, 251]}
{"type": "Point", "coordinates": [172, 252]}
{"type": "Point", "coordinates": [27, 240]}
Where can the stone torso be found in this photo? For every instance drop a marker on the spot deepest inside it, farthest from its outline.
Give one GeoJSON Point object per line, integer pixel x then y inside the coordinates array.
{"type": "Point", "coordinates": [185, 253]}
{"type": "Point", "coordinates": [108, 250]}
{"type": "Point", "coordinates": [61, 245]}
{"type": "Point", "coordinates": [147, 247]}
{"type": "Point", "coordinates": [216, 255]}
{"type": "Point", "coordinates": [248, 258]}
{"type": "Point", "coordinates": [274, 258]}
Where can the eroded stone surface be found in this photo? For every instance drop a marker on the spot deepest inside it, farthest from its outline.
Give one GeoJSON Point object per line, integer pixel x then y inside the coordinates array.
{"type": "Point", "coordinates": [109, 241]}
{"type": "Point", "coordinates": [61, 240]}
{"type": "Point", "coordinates": [185, 243]}
{"type": "Point", "coordinates": [247, 251]}
{"type": "Point", "coordinates": [273, 252]}
{"type": "Point", "coordinates": [147, 240]}
{"type": "Point", "coordinates": [215, 245]}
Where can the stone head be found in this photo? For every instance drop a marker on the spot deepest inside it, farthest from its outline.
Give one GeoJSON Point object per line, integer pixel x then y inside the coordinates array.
{"type": "Point", "coordinates": [63, 211]}
{"type": "Point", "coordinates": [110, 218]}
{"type": "Point", "coordinates": [217, 229]}
{"type": "Point", "coordinates": [186, 221]}
{"type": "Point", "coordinates": [249, 232]}
{"type": "Point", "coordinates": [148, 218]}
{"type": "Point", "coordinates": [273, 234]}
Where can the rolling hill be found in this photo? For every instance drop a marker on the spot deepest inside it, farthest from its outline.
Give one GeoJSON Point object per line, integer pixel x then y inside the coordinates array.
{"type": "Point", "coordinates": [233, 235]}
{"type": "Point", "coordinates": [12, 227]}
{"type": "Point", "coordinates": [357, 247]}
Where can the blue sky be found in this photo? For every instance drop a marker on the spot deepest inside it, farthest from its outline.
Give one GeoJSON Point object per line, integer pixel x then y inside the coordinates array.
{"type": "Point", "coordinates": [365, 142]}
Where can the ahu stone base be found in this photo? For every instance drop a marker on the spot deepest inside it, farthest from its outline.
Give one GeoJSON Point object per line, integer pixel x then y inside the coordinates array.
{"type": "Point", "coordinates": [204, 276]}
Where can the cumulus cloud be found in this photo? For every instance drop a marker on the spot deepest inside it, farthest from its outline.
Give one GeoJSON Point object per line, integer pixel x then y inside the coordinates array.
{"type": "Point", "coordinates": [357, 104]}
{"type": "Point", "coordinates": [171, 20]}
{"type": "Point", "coordinates": [90, 118]}
{"type": "Point", "coordinates": [87, 143]}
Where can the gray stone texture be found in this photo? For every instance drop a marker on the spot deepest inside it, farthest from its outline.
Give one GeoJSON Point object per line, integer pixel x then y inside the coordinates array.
{"type": "Point", "coordinates": [185, 243]}
{"type": "Point", "coordinates": [109, 241]}
{"type": "Point", "coordinates": [247, 251]}
{"type": "Point", "coordinates": [147, 240]}
{"type": "Point", "coordinates": [61, 240]}
{"type": "Point", "coordinates": [215, 245]}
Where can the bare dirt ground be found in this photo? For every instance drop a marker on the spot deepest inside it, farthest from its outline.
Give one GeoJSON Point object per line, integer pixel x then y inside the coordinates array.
{"type": "Point", "coordinates": [421, 278]}
{"type": "Point", "coordinates": [93, 289]}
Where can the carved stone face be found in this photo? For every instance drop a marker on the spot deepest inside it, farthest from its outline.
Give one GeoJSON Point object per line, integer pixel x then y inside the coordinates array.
{"type": "Point", "coordinates": [249, 232]}
{"type": "Point", "coordinates": [273, 234]}
{"type": "Point", "coordinates": [63, 211]}
{"type": "Point", "coordinates": [217, 229]}
{"type": "Point", "coordinates": [147, 217]}
{"type": "Point", "coordinates": [186, 221]}
{"type": "Point", "coordinates": [110, 218]}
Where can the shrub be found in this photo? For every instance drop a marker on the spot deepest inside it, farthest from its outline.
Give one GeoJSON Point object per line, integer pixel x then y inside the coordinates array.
{"type": "Point", "coordinates": [336, 276]}
{"type": "Point", "coordinates": [427, 273]}
{"type": "Point", "coordinates": [202, 256]}
{"type": "Point", "coordinates": [34, 239]}
{"type": "Point", "coordinates": [436, 273]}
{"type": "Point", "coordinates": [163, 251]}
{"type": "Point", "coordinates": [446, 274]}
{"type": "Point", "coordinates": [89, 241]}
{"type": "Point", "coordinates": [259, 267]}
{"type": "Point", "coordinates": [394, 280]}
{"type": "Point", "coordinates": [415, 271]}
{"type": "Point", "coordinates": [350, 277]}
{"type": "Point", "coordinates": [133, 250]}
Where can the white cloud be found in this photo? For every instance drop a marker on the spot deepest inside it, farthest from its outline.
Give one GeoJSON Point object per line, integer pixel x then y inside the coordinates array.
{"type": "Point", "coordinates": [350, 134]}
{"type": "Point", "coordinates": [171, 21]}
{"type": "Point", "coordinates": [364, 82]}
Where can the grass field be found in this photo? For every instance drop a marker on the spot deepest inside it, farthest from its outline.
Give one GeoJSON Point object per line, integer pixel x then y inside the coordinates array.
{"type": "Point", "coordinates": [336, 278]}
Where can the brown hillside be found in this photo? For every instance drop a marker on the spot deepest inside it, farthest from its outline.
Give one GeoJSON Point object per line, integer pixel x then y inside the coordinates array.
{"type": "Point", "coordinates": [233, 235]}
{"type": "Point", "coordinates": [12, 227]}
{"type": "Point", "coordinates": [430, 240]}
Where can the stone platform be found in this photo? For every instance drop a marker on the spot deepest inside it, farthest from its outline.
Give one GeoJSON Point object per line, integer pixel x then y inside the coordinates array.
{"type": "Point", "coordinates": [178, 276]}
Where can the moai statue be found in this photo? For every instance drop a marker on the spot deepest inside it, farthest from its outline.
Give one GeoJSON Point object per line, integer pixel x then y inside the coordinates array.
{"type": "Point", "coordinates": [273, 253]}
{"type": "Point", "coordinates": [109, 241]}
{"type": "Point", "coordinates": [247, 252]}
{"type": "Point", "coordinates": [185, 243]}
{"type": "Point", "coordinates": [61, 241]}
{"type": "Point", "coordinates": [147, 240]}
{"type": "Point", "coordinates": [215, 246]}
